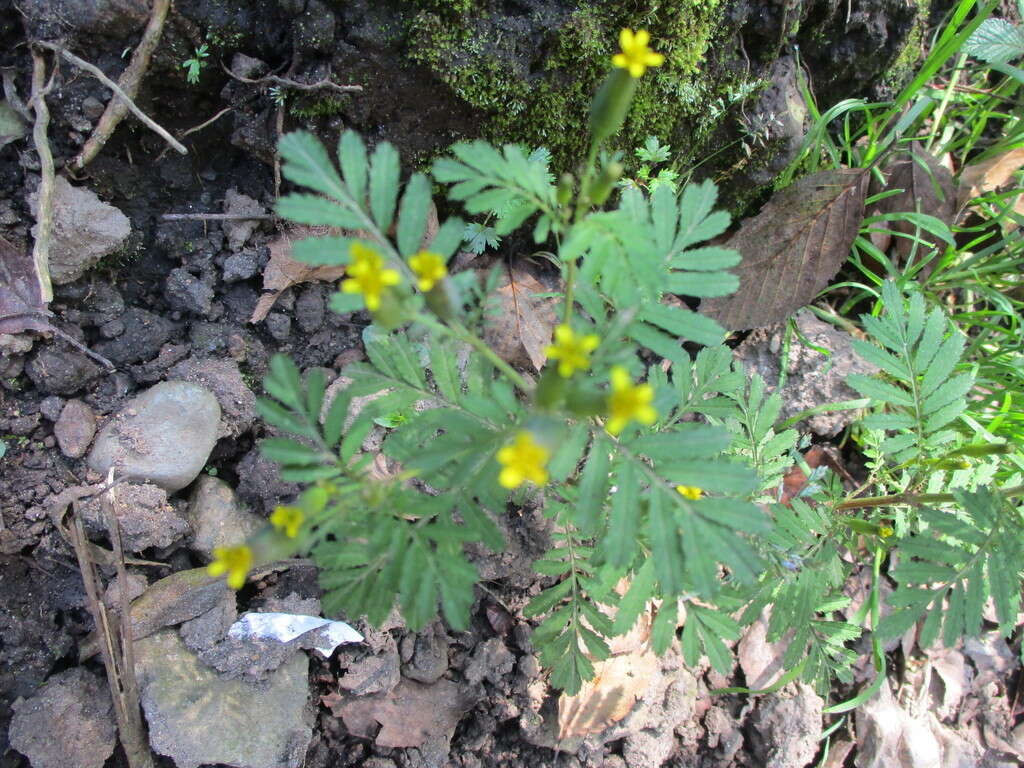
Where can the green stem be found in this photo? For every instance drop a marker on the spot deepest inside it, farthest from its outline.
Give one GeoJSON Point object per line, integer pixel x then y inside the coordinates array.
{"type": "Point", "coordinates": [460, 333]}
{"type": "Point", "coordinates": [570, 272]}
{"type": "Point", "coordinates": [913, 499]}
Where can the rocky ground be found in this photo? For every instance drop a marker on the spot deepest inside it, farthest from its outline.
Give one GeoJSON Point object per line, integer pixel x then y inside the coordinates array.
{"type": "Point", "coordinates": [170, 305]}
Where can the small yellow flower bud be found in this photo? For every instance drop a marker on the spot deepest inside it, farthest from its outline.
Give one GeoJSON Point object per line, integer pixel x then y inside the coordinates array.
{"type": "Point", "coordinates": [523, 460]}
{"type": "Point", "coordinates": [236, 562]}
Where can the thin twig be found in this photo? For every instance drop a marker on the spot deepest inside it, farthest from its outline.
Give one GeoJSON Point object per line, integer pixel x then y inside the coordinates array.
{"type": "Point", "coordinates": [218, 217]}
{"type": "Point", "coordinates": [133, 736]}
{"type": "Point", "coordinates": [204, 124]}
{"type": "Point", "coordinates": [129, 82]}
{"type": "Point", "coordinates": [98, 74]}
{"type": "Point", "coordinates": [287, 82]}
{"type": "Point", "coordinates": [44, 207]}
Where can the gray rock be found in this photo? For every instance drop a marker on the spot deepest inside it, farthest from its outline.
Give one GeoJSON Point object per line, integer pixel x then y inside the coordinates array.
{"type": "Point", "coordinates": [207, 629]}
{"type": "Point", "coordinates": [309, 308]}
{"type": "Point", "coordinates": [811, 378]}
{"type": "Point", "coordinates": [137, 584]}
{"type": "Point", "coordinates": [188, 293]}
{"type": "Point", "coordinates": [145, 517]}
{"type": "Point", "coordinates": [222, 377]}
{"type": "Point", "coordinates": [113, 18]}
{"type": "Point", "coordinates": [75, 429]}
{"type": "Point", "coordinates": [240, 266]}
{"type": "Point", "coordinates": [218, 518]}
{"type": "Point", "coordinates": [240, 230]}
{"type": "Point", "coordinates": [787, 728]}
{"type": "Point", "coordinates": [492, 661]}
{"type": "Point", "coordinates": [61, 371]}
{"type": "Point", "coordinates": [426, 654]}
{"type": "Point", "coordinates": [51, 407]}
{"type": "Point", "coordinates": [279, 325]}
{"type": "Point", "coordinates": [92, 107]}
{"type": "Point", "coordinates": [85, 229]}
{"type": "Point", "coordinates": [163, 436]}
{"type": "Point", "coordinates": [112, 330]}
{"type": "Point", "coordinates": [196, 717]}
{"type": "Point", "coordinates": [378, 673]}
{"type": "Point", "coordinates": [68, 723]}
{"type": "Point", "coordinates": [144, 334]}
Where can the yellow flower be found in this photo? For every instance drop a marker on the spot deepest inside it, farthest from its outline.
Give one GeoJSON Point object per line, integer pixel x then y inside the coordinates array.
{"type": "Point", "coordinates": [636, 56]}
{"type": "Point", "coordinates": [523, 460]}
{"type": "Point", "coordinates": [628, 402]}
{"type": "Point", "coordinates": [234, 561]}
{"type": "Point", "coordinates": [571, 351]}
{"type": "Point", "coordinates": [287, 520]}
{"type": "Point", "coordinates": [368, 276]}
{"type": "Point", "coordinates": [429, 268]}
{"type": "Point", "coordinates": [687, 491]}
{"type": "Point", "coordinates": [885, 531]}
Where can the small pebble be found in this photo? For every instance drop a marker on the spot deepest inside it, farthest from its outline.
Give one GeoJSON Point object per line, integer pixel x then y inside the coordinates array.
{"type": "Point", "coordinates": [75, 429]}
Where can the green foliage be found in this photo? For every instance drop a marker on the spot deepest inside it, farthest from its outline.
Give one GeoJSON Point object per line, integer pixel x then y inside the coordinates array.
{"type": "Point", "coordinates": [663, 476]}
{"type": "Point", "coordinates": [194, 66]}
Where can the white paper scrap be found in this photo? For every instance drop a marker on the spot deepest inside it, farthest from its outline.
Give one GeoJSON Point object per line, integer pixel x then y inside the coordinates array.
{"type": "Point", "coordinates": [285, 627]}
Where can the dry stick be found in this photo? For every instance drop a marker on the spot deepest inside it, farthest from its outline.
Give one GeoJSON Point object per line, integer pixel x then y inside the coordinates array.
{"type": "Point", "coordinates": [98, 74]}
{"type": "Point", "coordinates": [218, 217]}
{"type": "Point", "coordinates": [44, 209]}
{"type": "Point", "coordinates": [113, 661]}
{"type": "Point", "coordinates": [11, 93]}
{"type": "Point", "coordinates": [133, 738]}
{"type": "Point", "coordinates": [287, 82]}
{"type": "Point", "coordinates": [129, 82]}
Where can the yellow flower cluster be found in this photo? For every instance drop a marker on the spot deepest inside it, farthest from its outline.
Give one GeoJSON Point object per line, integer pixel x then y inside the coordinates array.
{"type": "Point", "coordinates": [691, 492]}
{"type": "Point", "coordinates": [236, 562]}
{"type": "Point", "coordinates": [628, 402]}
{"type": "Point", "coordinates": [636, 55]}
{"type": "Point", "coordinates": [429, 268]}
{"type": "Point", "coordinates": [287, 520]}
{"type": "Point", "coordinates": [523, 460]}
{"type": "Point", "coordinates": [571, 351]}
{"type": "Point", "coordinates": [368, 276]}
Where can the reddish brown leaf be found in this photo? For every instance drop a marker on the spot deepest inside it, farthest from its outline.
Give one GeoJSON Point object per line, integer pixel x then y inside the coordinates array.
{"type": "Point", "coordinates": [989, 175]}
{"type": "Point", "coordinates": [521, 330]}
{"type": "Point", "coordinates": [927, 188]}
{"type": "Point", "coordinates": [282, 271]}
{"type": "Point", "coordinates": [407, 716]}
{"type": "Point", "coordinates": [21, 304]}
{"type": "Point", "coordinates": [792, 248]}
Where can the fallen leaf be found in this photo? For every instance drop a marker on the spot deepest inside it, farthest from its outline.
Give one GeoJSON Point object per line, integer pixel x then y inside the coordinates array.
{"type": "Point", "coordinates": [282, 271]}
{"type": "Point", "coordinates": [988, 176]}
{"type": "Point", "coordinates": [407, 716]}
{"type": "Point", "coordinates": [521, 329]}
{"type": "Point", "coordinates": [21, 304]}
{"type": "Point", "coordinates": [927, 188]}
{"type": "Point", "coordinates": [619, 681]}
{"type": "Point", "coordinates": [760, 660]}
{"type": "Point", "coordinates": [792, 248]}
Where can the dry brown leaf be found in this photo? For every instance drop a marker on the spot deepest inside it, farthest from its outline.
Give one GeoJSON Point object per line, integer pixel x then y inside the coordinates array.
{"type": "Point", "coordinates": [282, 271]}
{"type": "Point", "coordinates": [927, 188]}
{"type": "Point", "coordinates": [618, 682]}
{"type": "Point", "coordinates": [407, 716]}
{"type": "Point", "coordinates": [989, 175]}
{"type": "Point", "coordinates": [522, 329]}
{"type": "Point", "coordinates": [792, 248]}
{"type": "Point", "coordinates": [21, 305]}
{"type": "Point", "coordinates": [617, 685]}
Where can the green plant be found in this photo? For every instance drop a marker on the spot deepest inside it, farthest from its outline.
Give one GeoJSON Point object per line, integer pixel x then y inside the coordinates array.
{"type": "Point", "coordinates": [194, 66]}
{"type": "Point", "coordinates": [651, 154]}
{"type": "Point", "coordinates": [662, 476]}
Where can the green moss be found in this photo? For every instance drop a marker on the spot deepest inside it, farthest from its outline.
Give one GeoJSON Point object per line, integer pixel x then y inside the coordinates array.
{"type": "Point", "coordinates": [906, 61]}
{"type": "Point", "coordinates": [309, 108]}
{"type": "Point", "coordinates": [545, 100]}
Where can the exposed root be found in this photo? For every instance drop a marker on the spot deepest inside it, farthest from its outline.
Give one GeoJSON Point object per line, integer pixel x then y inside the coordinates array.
{"type": "Point", "coordinates": [295, 85]}
{"type": "Point", "coordinates": [129, 83]}
{"type": "Point", "coordinates": [98, 74]}
{"type": "Point", "coordinates": [44, 217]}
